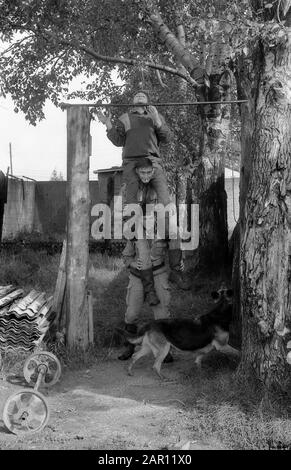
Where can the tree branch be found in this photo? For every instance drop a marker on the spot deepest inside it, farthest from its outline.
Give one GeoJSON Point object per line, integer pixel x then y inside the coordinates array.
{"type": "Point", "coordinates": [117, 60]}
{"type": "Point", "coordinates": [131, 62]}
{"type": "Point", "coordinates": [56, 59]}
{"type": "Point", "coordinates": [180, 52]}
{"type": "Point", "coordinates": [10, 48]}
{"type": "Point", "coordinates": [181, 34]}
{"type": "Point", "coordinates": [163, 85]}
{"type": "Point", "coordinates": [182, 40]}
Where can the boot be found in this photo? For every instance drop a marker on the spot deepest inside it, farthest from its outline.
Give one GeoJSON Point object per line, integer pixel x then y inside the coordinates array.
{"type": "Point", "coordinates": [129, 347]}
{"type": "Point", "coordinates": [177, 274]}
{"type": "Point", "coordinates": [147, 279]}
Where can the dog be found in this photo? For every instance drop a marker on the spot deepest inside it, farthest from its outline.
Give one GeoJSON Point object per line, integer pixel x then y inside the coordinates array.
{"type": "Point", "coordinates": [210, 331]}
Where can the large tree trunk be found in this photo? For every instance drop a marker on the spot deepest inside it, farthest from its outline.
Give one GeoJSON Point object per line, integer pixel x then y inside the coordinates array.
{"type": "Point", "coordinates": [234, 256]}
{"type": "Point", "coordinates": [247, 79]}
{"type": "Point", "coordinates": [266, 218]}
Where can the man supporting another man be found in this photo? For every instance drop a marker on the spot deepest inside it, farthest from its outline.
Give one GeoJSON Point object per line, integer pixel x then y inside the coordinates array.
{"type": "Point", "coordinates": [135, 290]}
{"type": "Point", "coordinates": [144, 254]}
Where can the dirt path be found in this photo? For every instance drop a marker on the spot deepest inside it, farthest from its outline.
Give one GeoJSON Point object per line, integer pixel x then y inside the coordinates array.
{"type": "Point", "coordinates": [104, 408]}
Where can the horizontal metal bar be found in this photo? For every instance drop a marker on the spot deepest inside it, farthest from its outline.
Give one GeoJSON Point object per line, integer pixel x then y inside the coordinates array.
{"type": "Point", "coordinates": [121, 105]}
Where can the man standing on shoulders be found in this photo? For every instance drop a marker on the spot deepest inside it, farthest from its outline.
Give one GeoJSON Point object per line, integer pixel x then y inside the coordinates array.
{"type": "Point", "coordinates": [140, 132]}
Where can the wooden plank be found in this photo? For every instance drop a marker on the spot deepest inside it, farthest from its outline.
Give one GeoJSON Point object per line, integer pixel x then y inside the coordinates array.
{"type": "Point", "coordinates": [91, 322]}
{"type": "Point", "coordinates": [78, 218]}
{"type": "Point", "coordinates": [63, 317]}
{"type": "Point", "coordinates": [60, 285]}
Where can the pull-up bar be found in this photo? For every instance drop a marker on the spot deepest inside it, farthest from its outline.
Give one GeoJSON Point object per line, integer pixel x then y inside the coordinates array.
{"type": "Point", "coordinates": [121, 105]}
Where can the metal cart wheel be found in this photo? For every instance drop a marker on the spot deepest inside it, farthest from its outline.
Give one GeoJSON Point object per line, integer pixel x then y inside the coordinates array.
{"type": "Point", "coordinates": [25, 412]}
{"type": "Point", "coordinates": [42, 360]}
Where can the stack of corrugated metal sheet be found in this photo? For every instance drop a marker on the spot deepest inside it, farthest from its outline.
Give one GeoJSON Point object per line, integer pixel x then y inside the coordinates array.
{"type": "Point", "coordinates": [24, 319]}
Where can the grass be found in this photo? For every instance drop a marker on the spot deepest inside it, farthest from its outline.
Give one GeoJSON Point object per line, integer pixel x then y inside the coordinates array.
{"type": "Point", "coordinates": [36, 270]}
{"type": "Point", "coordinates": [108, 280]}
{"type": "Point", "coordinates": [12, 363]}
{"type": "Point", "coordinates": [29, 270]}
{"type": "Point", "coordinates": [230, 412]}
{"type": "Point", "coordinates": [220, 406]}
{"type": "Point", "coordinates": [239, 430]}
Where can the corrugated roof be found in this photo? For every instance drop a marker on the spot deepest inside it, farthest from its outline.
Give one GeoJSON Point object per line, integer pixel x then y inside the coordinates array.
{"type": "Point", "coordinates": [24, 319]}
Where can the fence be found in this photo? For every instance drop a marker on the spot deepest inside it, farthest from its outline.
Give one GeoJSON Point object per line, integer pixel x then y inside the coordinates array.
{"type": "Point", "coordinates": [38, 207]}
{"type": "Point", "coordinates": [41, 206]}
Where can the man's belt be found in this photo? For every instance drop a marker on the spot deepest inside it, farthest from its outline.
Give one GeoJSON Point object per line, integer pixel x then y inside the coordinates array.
{"type": "Point", "coordinates": [136, 272]}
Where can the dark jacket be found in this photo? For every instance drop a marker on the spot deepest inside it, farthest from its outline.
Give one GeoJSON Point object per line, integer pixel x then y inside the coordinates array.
{"type": "Point", "coordinates": [138, 136]}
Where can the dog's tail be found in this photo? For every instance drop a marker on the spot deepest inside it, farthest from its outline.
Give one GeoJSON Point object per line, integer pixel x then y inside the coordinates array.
{"type": "Point", "coordinates": [131, 338]}
{"type": "Point", "coordinates": [134, 338]}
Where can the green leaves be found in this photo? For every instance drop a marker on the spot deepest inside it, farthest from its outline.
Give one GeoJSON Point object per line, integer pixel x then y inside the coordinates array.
{"type": "Point", "coordinates": [42, 66]}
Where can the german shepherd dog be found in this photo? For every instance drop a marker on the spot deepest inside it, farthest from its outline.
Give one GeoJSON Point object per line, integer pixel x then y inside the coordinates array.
{"type": "Point", "coordinates": [210, 331]}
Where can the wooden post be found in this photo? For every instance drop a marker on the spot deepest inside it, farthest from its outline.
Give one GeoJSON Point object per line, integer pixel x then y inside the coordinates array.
{"type": "Point", "coordinates": [78, 217]}
{"type": "Point", "coordinates": [90, 313]}
{"type": "Point", "coordinates": [10, 155]}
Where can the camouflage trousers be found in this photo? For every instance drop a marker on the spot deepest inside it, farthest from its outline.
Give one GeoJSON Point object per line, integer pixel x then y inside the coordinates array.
{"type": "Point", "coordinates": [135, 297]}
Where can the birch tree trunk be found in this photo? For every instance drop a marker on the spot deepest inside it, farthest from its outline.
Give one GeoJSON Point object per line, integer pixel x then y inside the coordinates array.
{"type": "Point", "coordinates": [215, 119]}
{"type": "Point", "coordinates": [177, 48]}
{"type": "Point", "coordinates": [208, 181]}
{"type": "Point", "coordinates": [182, 180]}
{"type": "Point", "coordinates": [213, 248]}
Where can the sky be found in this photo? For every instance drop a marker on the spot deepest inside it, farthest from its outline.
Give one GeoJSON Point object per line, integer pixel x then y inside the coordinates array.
{"type": "Point", "coordinates": [38, 150]}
